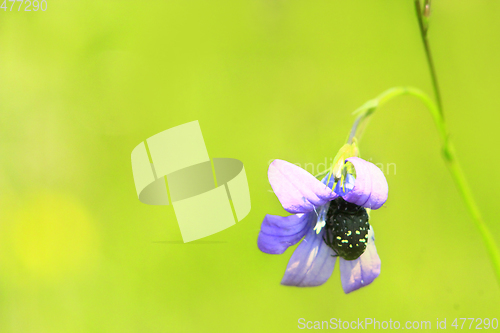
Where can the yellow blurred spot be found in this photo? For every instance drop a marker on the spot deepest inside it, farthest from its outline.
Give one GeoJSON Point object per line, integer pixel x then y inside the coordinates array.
{"type": "Point", "coordinates": [54, 236]}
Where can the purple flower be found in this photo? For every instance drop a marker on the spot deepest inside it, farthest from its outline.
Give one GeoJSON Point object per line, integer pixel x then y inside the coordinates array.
{"type": "Point", "coordinates": [334, 222]}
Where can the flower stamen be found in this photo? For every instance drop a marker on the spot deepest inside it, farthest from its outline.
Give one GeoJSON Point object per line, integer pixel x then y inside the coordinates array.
{"type": "Point", "coordinates": [321, 221]}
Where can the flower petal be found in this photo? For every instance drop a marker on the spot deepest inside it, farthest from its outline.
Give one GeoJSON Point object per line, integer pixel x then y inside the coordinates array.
{"type": "Point", "coordinates": [358, 273]}
{"type": "Point", "coordinates": [312, 262]}
{"type": "Point", "coordinates": [370, 188]}
{"type": "Point", "coordinates": [277, 233]}
{"type": "Point", "coordinates": [296, 189]}
{"type": "Point", "coordinates": [330, 183]}
{"type": "Point", "coordinates": [348, 186]}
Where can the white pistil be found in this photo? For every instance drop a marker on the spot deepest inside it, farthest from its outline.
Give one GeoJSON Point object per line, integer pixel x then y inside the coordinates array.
{"type": "Point", "coordinates": [319, 226]}
{"type": "Point", "coordinates": [321, 220]}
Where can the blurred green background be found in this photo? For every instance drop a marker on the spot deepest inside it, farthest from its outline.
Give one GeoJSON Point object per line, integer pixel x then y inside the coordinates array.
{"type": "Point", "coordinates": [82, 83]}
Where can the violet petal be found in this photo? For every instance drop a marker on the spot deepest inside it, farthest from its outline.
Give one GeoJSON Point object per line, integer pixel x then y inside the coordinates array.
{"type": "Point", "coordinates": [331, 181]}
{"type": "Point", "coordinates": [348, 186]}
{"type": "Point", "coordinates": [370, 188]}
{"type": "Point", "coordinates": [277, 233]}
{"type": "Point", "coordinates": [312, 262]}
{"type": "Point", "coordinates": [358, 273]}
{"type": "Point", "coordinates": [296, 189]}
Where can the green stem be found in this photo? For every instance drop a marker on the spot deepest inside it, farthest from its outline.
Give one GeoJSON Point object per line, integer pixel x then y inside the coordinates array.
{"type": "Point", "coordinates": [448, 151]}
{"type": "Point", "coordinates": [451, 161]}
{"type": "Point", "coordinates": [423, 33]}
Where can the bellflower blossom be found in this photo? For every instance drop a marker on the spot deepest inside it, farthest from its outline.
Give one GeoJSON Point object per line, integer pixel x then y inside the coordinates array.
{"type": "Point", "coordinates": [334, 222]}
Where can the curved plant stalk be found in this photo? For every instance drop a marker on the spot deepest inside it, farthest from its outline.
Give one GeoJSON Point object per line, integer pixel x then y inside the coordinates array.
{"type": "Point", "coordinates": [423, 15]}
{"type": "Point", "coordinates": [363, 115]}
